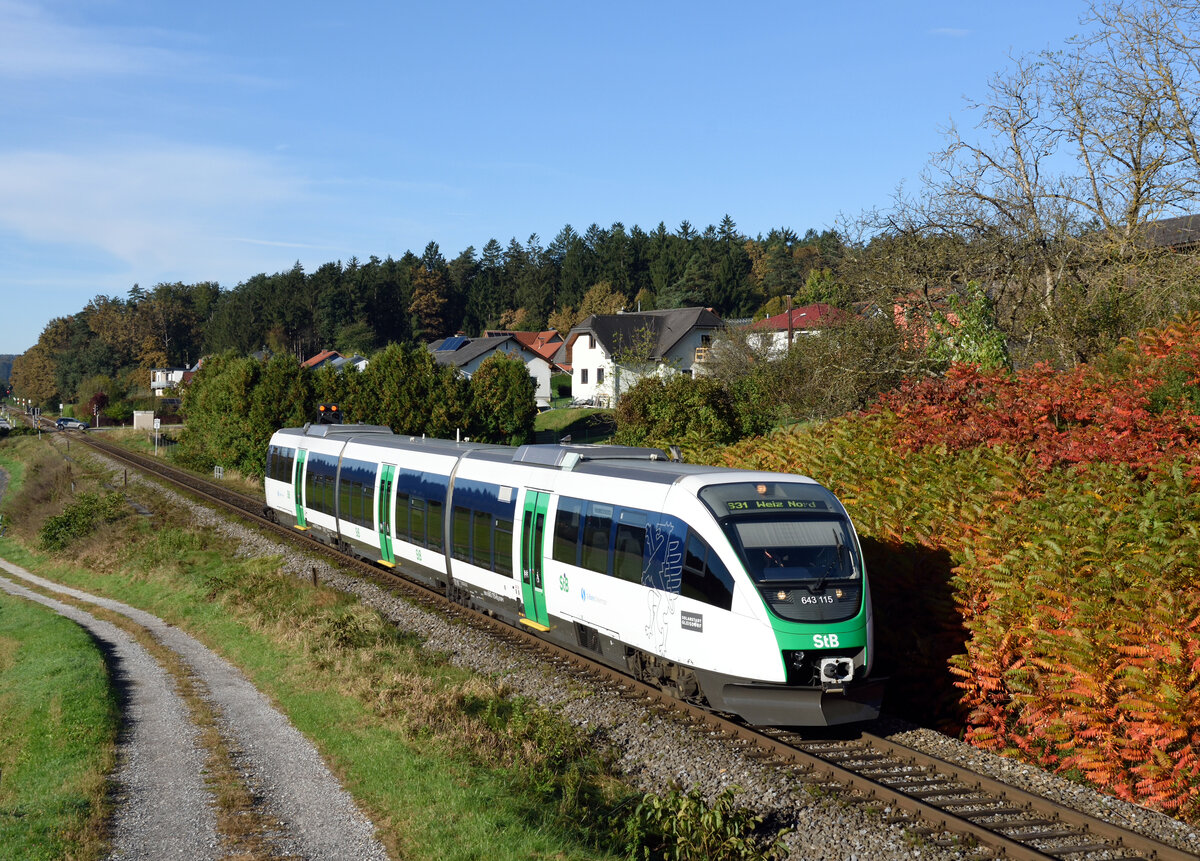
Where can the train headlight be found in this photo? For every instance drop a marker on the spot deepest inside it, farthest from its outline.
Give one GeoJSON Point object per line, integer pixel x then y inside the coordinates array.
{"type": "Point", "coordinates": [835, 670]}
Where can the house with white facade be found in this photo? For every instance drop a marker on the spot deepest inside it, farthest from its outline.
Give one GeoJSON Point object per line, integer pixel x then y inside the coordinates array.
{"type": "Point", "coordinates": [357, 362]}
{"type": "Point", "coordinates": [775, 334]}
{"type": "Point", "coordinates": [467, 354]}
{"type": "Point", "coordinates": [608, 353]}
{"type": "Point", "coordinates": [163, 379]}
{"type": "Point", "coordinates": [544, 343]}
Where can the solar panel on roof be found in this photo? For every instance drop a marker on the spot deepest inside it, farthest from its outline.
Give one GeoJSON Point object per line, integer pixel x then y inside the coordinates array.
{"type": "Point", "coordinates": [453, 343]}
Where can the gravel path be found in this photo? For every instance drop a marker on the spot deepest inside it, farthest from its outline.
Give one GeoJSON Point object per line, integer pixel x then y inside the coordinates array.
{"type": "Point", "coordinates": [160, 758]}
{"type": "Point", "coordinates": [159, 754]}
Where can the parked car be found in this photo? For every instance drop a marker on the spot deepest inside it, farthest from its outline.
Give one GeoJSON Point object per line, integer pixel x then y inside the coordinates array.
{"type": "Point", "coordinates": [71, 424]}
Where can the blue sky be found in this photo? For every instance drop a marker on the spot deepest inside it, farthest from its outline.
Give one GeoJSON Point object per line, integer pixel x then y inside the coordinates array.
{"type": "Point", "coordinates": [144, 141]}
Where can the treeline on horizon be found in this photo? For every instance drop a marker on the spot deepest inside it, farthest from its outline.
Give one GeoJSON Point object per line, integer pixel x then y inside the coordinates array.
{"type": "Point", "coordinates": [361, 307]}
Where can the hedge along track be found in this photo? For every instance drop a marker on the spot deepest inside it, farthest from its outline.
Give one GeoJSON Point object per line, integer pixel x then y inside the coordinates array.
{"type": "Point", "coordinates": [936, 800]}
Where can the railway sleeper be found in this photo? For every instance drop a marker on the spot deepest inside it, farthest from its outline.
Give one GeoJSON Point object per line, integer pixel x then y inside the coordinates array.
{"type": "Point", "coordinates": [1046, 834]}
{"type": "Point", "coordinates": [1076, 849]}
{"type": "Point", "coordinates": [994, 811]}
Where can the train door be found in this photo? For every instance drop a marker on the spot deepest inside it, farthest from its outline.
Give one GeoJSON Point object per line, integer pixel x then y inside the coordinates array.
{"type": "Point", "coordinates": [298, 489]}
{"type": "Point", "coordinates": [386, 552]}
{"type": "Point", "coordinates": [533, 530]}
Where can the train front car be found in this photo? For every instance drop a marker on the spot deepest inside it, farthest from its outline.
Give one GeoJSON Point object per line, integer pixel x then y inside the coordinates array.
{"type": "Point", "coordinates": [800, 569]}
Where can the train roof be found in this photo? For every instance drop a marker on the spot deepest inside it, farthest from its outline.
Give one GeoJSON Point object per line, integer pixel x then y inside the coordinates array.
{"type": "Point", "coordinates": [616, 461]}
{"type": "Point", "coordinates": [326, 431]}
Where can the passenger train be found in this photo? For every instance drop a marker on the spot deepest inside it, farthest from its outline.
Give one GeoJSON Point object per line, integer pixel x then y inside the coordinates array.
{"type": "Point", "coordinates": [744, 591]}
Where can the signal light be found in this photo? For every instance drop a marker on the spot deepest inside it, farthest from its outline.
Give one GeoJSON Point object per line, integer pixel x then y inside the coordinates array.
{"type": "Point", "coordinates": [329, 414]}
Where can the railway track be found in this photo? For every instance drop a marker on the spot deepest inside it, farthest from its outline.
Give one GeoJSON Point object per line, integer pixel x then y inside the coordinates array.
{"type": "Point", "coordinates": [937, 801]}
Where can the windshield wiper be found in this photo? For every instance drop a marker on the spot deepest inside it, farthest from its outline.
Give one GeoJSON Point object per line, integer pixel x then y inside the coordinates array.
{"type": "Point", "coordinates": [832, 567]}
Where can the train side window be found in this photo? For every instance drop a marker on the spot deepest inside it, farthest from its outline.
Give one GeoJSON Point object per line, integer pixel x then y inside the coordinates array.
{"type": "Point", "coordinates": [347, 490]}
{"type": "Point", "coordinates": [566, 530]}
{"type": "Point", "coordinates": [597, 526]}
{"type": "Point", "coordinates": [319, 483]}
{"type": "Point", "coordinates": [503, 541]}
{"type": "Point", "coordinates": [434, 540]}
{"type": "Point", "coordinates": [345, 495]}
{"type": "Point", "coordinates": [351, 481]}
{"type": "Point", "coordinates": [416, 520]}
{"type": "Point", "coordinates": [460, 533]}
{"type": "Point", "coordinates": [279, 463]}
{"type": "Point", "coordinates": [481, 539]}
{"type": "Point", "coordinates": [366, 497]}
{"type": "Point", "coordinates": [627, 550]}
{"type": "Point", "coordinates": [285, 462]}
{"type": "Point", "coordinates": [705, 578]}
{"type": "Point", "coordinates": [401, 522]}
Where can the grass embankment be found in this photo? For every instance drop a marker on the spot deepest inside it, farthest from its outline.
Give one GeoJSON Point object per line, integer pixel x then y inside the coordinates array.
{"type": "Point", "coordinates": [58, 727]}
{"type": "Point", "coordinates": [143, 442]}
{"type": "Point", "coordinates": [446, 762]}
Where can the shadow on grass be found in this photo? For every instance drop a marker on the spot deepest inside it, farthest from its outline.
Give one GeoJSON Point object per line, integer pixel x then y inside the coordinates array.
{"type": "Point", "coordinates": [917, 629]}
{"type": "Point", "coordinates": [592, 426]}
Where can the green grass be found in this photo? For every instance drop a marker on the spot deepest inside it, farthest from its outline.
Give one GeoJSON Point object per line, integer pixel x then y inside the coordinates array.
{"type": "Point", "coordinates": [58, 725]}
{"type": "Point", "coordinates": [584, 424]}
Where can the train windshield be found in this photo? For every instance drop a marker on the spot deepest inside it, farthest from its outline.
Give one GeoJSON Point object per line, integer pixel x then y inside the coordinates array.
{"type": "Point", "coordinates": [779, 550]}
{"type": "Point", "coordinates": [786, 532]}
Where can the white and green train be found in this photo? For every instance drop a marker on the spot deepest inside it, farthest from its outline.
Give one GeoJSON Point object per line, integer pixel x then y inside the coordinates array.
{"type": "Point", "coordinates": [745, 591]}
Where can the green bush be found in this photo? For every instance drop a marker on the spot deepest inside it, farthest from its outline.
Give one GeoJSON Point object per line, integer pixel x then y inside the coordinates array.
{"type": "Point", "coordinates": [79, 519]}
{"type": "Point", "coordinates": [503, 398]}
{"type": "Point", "coordinates": [683, 827]}
{"type": "Point", "coordinates": [675, 410]}
{"type": "Point", "coordinates": [119, 413]}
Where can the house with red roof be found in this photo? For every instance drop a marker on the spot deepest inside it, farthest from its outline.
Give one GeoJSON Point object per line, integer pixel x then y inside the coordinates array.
{"type": "Point", "coordinates": [545, 344]}
{"type": "Point", "coordinates": [775, 334]}
{"type": "Point", "coordinates": [320, 359]}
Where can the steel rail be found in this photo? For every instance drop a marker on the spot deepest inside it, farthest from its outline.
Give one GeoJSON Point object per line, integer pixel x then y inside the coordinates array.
{"type": "Point", "coordinates": [827, 761]}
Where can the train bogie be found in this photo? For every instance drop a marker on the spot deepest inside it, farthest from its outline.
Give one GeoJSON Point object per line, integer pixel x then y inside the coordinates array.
{"type": "Point", "coordinates": [743, 590]}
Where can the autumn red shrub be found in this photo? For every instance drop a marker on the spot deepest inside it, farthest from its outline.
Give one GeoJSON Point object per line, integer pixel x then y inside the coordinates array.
{"type": "Point", "coordinates": [1062, 417]}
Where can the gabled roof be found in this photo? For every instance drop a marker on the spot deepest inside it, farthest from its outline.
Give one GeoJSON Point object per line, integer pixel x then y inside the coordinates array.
{"type": "Point", "coordinates": [320, 359]}
{"type": "Point", "coordinates": [458, 350]}
{"type": "Point", "coordinates": [1174, 232]}
{"type": "Point", "coordinates": [355, 361]}
{"type": "Point", "coordinates": [664, 329]}
{"type": "Point", "coordinates": [805, 317]}
{"type": "Point", "coordinates": [545, 344]}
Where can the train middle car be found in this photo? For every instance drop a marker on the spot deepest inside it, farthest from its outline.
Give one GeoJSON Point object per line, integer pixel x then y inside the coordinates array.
{"type": "Point", "coordinates": [744, 591]}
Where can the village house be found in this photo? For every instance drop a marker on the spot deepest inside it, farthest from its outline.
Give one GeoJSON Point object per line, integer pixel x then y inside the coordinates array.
{"type": "Point", "coordinates": [467, 354]}
{"type": "Point", "coordinates": [608, 353]}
